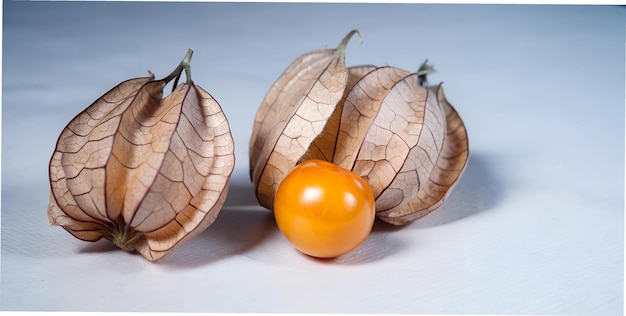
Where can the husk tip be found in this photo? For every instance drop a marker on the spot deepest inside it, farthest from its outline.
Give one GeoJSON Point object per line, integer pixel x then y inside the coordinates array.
{"type": "Point", "coordinates": [346, 39]}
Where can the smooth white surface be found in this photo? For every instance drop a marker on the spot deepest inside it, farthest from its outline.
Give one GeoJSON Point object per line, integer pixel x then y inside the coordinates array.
{"type": "Point", "coordinates": [536, 224]}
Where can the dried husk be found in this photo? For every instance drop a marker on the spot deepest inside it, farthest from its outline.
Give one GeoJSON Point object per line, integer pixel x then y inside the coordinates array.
{"type": "Point", "coordinates": [403, 137]}
{"type": "Point", "coordinates": [410, 145]}
{"type": "Point", "coordinates": [293, 112]}
{"type": "Point", "coordinates": [444, 174]}
{"type": "Point", "coordinates": [323, 146]}
{"type": "Point", "coordinates": [140, 170]}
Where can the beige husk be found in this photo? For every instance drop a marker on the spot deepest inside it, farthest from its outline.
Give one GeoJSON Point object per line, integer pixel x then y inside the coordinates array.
{"type": "Point", "coordinates": [143, 171]}
{"type": "Point", "coordinates": [383, 123]}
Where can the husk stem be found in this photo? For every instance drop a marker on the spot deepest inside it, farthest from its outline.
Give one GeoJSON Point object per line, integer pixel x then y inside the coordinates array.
{"type": "Point", "coordinates": [124, 237]}
{"type": "Point", "coordinates": [424, 70]}
{"type": "Point", "coordinates": [342, 46]}
{"type": "Point", "coordinates": [183, 65]}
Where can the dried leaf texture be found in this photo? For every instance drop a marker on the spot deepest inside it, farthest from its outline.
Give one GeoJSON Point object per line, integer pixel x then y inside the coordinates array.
{"type": "Point", "coordinates": [405, 140]}
{"type": "Point", "coordinates": [445, 173]}
{"type": "Point", "coordinates": [285, 95]}
{"type": "Point", "coordinates": [361, 107]}
{"type": "Point", "coordinates": [293, 112]}
{"type": "Point", "coordinates": [142, 171]}
{"type": "Point", "coordinates": [383, 123]}
{"type": "Point", "coordinates": [402, 145]}
{"type": "Point", "coordinates": [324, 145]}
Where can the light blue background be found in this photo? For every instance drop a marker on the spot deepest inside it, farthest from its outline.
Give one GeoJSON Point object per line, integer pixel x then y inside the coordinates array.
{"type": "Point", "coordinates": [535, 225]}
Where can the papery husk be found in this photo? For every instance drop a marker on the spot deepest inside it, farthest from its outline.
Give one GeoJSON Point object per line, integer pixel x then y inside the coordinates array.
{"type": "Point", "coordinates": [388, 126]}
{"type": "Point", "coordinates": [142, 171]}
{"type": "Point", "coordinates": [292, 114]}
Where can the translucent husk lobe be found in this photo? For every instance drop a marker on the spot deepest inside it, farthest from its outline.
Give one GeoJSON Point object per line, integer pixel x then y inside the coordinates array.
{"type": "Point", "coordinates": [140, 170]}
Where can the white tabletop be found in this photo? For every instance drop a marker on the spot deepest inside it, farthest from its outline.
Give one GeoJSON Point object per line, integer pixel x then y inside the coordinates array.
{"type": "Point", "coordinates": [535, 225]}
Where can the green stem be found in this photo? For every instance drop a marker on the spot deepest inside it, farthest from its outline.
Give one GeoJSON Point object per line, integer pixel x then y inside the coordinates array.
{"type": "Point", "coordinates": [124, 237]}
{"type": "Point", "coordinates": [424, 70]}
{"type": "Point", "coordinates": [184, 65]}
{"type": "Point", "coordinates": [342, 46]}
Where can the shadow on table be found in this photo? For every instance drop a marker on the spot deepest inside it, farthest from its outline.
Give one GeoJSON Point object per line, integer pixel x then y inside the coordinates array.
{"type": "Point", "coordinates": [378, 246]}
{"type": "Point", "coordinates": [242, 224]}
{"type": "Point", "coordinates": [235, 231]}
{"type": "Point", "coordinates": [477, 191]}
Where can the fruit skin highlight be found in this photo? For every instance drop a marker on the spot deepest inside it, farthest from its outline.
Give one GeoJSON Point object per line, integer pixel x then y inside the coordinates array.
{"type": "Point", "coordinates": [324, 210]}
